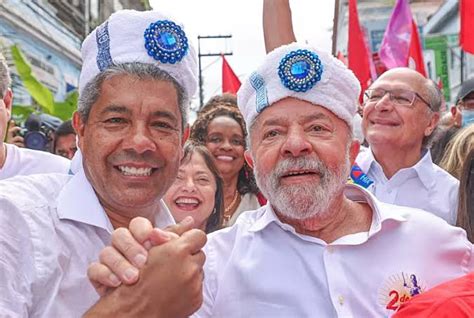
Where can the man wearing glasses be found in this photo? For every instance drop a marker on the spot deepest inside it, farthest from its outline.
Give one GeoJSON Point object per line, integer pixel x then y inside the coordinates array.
{"type": "Point", "coordinates": [401, 111]}
{"type": "Point", "coordinates": [463, 111]}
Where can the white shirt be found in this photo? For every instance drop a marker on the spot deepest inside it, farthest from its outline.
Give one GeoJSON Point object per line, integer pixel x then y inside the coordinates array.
{"type": "Point", "coordinates": [424, 186]}
{"type": "Point", "coordinates": [23, 161]}
{"type": "Point", "coordinates": [261, 267]}
{"type": "Point", "coordinates": [52, 227]}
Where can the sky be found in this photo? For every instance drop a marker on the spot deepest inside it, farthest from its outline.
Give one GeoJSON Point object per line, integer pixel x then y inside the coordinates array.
{"type": "Point", "coordinates": [312, 22]}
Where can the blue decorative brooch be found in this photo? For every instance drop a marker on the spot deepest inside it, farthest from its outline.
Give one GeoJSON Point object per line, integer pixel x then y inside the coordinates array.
{"type": "Point", "coordinates": [300, 70]}
{"type": "Point", "coordinates": [166, 42]}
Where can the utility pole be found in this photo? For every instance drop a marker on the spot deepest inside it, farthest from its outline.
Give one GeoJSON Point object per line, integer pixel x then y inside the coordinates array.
{"type": "Point", "coordinates": [335, 28]}
{"type": "Point", "coordinates": [204, 37]}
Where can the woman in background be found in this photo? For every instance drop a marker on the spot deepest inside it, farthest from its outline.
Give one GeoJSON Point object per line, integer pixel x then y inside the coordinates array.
{"type": "Point", "coordinates": [457, 150]}
{"type": "Point", "coordinates": [221, 128]}
{"type": "Point", "coordinates": [197, 190]}
{"type": "Point", "coordinates": [466, 196]}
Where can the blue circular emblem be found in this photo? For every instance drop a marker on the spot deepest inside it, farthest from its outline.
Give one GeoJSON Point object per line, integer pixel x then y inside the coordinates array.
{"type": "Point", "coordinates": [300, 70]}
{"type": "Point", "coordinates": [166, 42]}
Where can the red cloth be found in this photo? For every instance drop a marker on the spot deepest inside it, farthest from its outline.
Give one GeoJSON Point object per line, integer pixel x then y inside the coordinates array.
{"type": "Point", "coordinates": [415, 55]}
{"type": "Point", "coordinates": [466, 34]}
{"type": "Point", "coordinates": [357, 53]}
{"type": "Point", "coordinates": [230, 81]}
{"type": "Point", "coordinates": [453, 299]}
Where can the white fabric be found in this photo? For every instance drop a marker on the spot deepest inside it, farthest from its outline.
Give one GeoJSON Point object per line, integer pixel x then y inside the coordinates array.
{"type": "Point", "coordinates": [261, 267]}
{"type": "Point", "coordinates": [338, 90]}
{"type": "Point", "coordinates": [23, 161]}
{"type": "Point", "coordinates": [51, 228]}
{"type": "Point", "coordinates": [127, 44]}
{"type": "Point", "coordinates": [424, 186]}
{"type": "Point", "coordinates": [248, 202]}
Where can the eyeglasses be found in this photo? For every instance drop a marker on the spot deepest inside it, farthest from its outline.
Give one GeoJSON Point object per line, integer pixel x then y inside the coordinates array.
{"type": "Point", "coordinates": [466, 104]}
{"type": "Point", "coordinates": [400, 97]}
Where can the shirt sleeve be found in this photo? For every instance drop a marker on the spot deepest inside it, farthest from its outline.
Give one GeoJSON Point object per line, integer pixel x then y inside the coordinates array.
{"type": "Point", "coordinates": [209, 285]}
{"type": "Point", "coordinates": [16, 262]}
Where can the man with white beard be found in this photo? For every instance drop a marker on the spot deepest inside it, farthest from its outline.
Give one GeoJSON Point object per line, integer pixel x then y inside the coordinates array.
{"type": "Point", "coordinates": [319, 248]}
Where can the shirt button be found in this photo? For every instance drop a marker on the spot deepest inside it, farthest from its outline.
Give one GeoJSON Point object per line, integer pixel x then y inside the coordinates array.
{"type": "Point", "coordinates": [330, 249]}
{"type": "Point", "coordinates": [341, 300]}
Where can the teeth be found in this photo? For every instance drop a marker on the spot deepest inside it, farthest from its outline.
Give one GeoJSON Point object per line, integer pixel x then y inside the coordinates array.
{"type": "Point", "coordinates": [225, 158]}
{"type": "Point", "coordinates": [297, 173]}
{"type": "Point", "coordinates": [186, 201]}
{"type": "Point", "coordinates": [137, 172]}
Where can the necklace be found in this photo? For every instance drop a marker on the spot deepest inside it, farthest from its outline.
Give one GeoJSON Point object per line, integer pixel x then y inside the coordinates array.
{"type": "Point", "coordinates": [230, 207]}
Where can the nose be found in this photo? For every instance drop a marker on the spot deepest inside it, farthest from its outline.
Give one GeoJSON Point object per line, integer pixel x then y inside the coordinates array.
{"type": "Point", "coordinates": [385, 103]}
{"type": "Point", "coordinates": [296, 143]}
{"type": "Point", "coordinates": [140, 140]}
{"type": "Point", "coordinates": [225, 144]}
{"type": "Point", "coordinates": [188, 185]}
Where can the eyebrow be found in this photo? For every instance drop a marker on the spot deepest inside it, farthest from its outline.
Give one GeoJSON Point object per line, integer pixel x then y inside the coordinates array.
{"type": "Point", "coordinates": [166, 114]}
{"type": "Point", "coordinates": [115, 109]}
{"type": "Point", "coordinates": [281, 120]}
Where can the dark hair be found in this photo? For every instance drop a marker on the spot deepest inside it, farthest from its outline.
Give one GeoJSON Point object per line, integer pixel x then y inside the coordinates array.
{"type": "Point", "coordinates": [466, 197]}
{"type": "Point", "coordinates": [63, 130]}
{"type": "Point", "coordinates": [246, 180]}
{"type": "Point", "coordinates": [225, 99]}
{"type": "Point", "coordinates": [214, 221]}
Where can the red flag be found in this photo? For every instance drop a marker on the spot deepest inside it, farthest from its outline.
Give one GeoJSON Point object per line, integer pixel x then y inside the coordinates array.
{"type": "Point", "coordinates": [230, 81]}
{"type": "Point", "coordinates": [415, 55]}
{"type": "Point", "coordinates": [466, 35]}
{"type": "Point", "coordinates": [357, 50]}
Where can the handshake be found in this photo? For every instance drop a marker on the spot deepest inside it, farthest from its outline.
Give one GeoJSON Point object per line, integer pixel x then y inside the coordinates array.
{"type": "Point", "coordinates": [148, 271]}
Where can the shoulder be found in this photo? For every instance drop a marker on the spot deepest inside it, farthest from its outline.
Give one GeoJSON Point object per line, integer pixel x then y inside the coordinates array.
{"type": "Point", "coordinates": [31, 190]}
{"type": "Point", "coordinates": [42, 162]}
{"type": "Point", "coordinates": [443, 177]}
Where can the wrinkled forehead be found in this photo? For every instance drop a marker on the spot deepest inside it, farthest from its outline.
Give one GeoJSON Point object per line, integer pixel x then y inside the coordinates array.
{"type": "Point", "coordinates": [400, 80]}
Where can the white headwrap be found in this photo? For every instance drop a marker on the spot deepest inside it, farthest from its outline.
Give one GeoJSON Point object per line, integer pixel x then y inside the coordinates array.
{"type": "Point", "coordinates": [140, 36]}
{"type": "Point", "coordinates": [302, 72]}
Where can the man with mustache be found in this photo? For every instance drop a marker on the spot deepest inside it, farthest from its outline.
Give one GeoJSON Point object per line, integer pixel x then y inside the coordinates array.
{"type": "Point", "coordinates": [400, 115]}
{"type": "Point", "coordinates": [320, 247]}
{"type": "Point", "coordinates": [137, 79]}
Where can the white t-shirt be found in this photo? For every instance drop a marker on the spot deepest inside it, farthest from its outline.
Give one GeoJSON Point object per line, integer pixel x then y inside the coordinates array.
{"type": "Point", "coordinates": [261, 267]}
{"type": "Point", "coordinates": [24, 161]}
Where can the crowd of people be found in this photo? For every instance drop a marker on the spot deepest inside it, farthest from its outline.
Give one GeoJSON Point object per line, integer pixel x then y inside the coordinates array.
{"type": "Point", "coordinates": [266, 206]}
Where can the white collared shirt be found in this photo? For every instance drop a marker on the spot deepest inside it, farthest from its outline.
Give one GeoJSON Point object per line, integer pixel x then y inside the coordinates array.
{"type": "Point", "coordinates": [51, 228]}
{"type": "Point", "coordinates": [424, 186]}
{"type": "Point", "coordinates": [24, 161]}
{"type": "Point", "coordinates": [261, 267]}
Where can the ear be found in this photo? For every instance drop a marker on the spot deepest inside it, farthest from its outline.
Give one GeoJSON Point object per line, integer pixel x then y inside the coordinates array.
{"type": "Point", "coordinates": [432, 124]}
{"type": "Point", "coordinates": [79, 126]}
{"type": "Point", "coordinates": [354, 151]}
{"type": "Point", "coordinates": [8, 100]}
{"type": "Point", "coordinates": [248, 158]}
{"type": "Point", "coordinates": [186, 133]}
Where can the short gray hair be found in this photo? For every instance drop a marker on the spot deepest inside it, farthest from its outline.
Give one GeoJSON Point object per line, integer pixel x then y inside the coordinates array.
{"type": "Point", "coordinates": [434, 96]}
{"type": "Point", "coordinates": [5, 79]}
{"type": "Point", "coordinates": [91, 91]}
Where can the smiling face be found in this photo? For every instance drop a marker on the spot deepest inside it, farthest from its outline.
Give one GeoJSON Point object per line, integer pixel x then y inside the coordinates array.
{"type": "Point", "coordinates": [400, 127]}
{"type": "Point", "coordinates": [193, 192]}
{"type": "Point", "coordinates": [225, 140]}
{"type": "Point", "coordinates": [131, 142]}
{"type": "Point", "coordinates": [302, 157]}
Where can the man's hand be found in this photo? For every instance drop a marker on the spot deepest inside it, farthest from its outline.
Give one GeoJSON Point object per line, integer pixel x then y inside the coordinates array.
{"type": "Point", "coordinates": [121, 262]}
{"type": "Point", "coordinates": [170, 283]}
{"type": "Point", "coordinates": [12, 135]}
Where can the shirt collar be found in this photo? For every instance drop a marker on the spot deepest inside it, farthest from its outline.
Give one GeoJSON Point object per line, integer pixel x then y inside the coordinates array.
{"type": "Point", "coordinates": [352, 192]}
{"type": "Point", "coordinates": [78, 202]}
{"type": "Point", "coordinates": [423, 168]}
